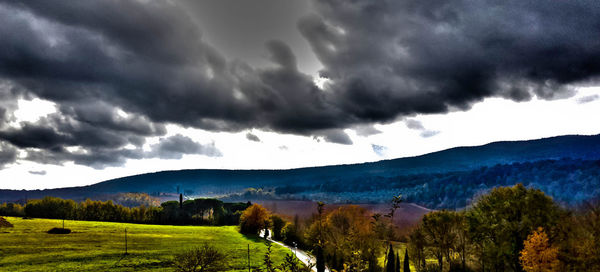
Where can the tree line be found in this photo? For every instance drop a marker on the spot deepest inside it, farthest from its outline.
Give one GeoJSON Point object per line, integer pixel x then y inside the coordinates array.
{"type": "Point", "coordinates": [507, 229]}
{"type": "Point", "coordinates": [199, 211]}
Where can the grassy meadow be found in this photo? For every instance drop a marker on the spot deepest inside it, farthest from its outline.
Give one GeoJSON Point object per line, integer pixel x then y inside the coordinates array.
{"type": "Point", "coordinates": [99, 246]}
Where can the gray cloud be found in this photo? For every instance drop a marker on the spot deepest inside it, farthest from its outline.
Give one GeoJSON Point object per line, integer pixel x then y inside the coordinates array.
{"type": "Point", "coordinates": [173, 147]}
{"type": "Point", "coordinates": [587, 99]}
{"type": "Point", "coordinates": [336, 136]}
{"type": "Point", "coordinates": [366, 130]}
{"type": "Point", "coordinates": [39, 173]}
{"type": "Point", "coordinates": [384, 60]}
{"type": "Point", "coordinates": [429, 133]}
{"type": "Point", "coordinates": [417, 125]}
{"type": "Point", "coordinates": [414, 124]}
{"type": "Point", "coordinates": [252, 137]}
{"type": "Point", "coordinates": [8, 154]}
{"type": "Point", "coordinates": [391, 58]}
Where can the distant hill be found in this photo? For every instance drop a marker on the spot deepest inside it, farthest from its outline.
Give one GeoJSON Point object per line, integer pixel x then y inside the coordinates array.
{"type": "Point", "coordinates": [402, 175]}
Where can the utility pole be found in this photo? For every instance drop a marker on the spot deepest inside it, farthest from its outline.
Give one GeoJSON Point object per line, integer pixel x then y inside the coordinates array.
{"type": "Point", "coordinates": [248, 257]}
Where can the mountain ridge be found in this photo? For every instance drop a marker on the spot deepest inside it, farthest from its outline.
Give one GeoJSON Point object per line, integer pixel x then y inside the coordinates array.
{"type": "Point", "coordinates": [215, 182]}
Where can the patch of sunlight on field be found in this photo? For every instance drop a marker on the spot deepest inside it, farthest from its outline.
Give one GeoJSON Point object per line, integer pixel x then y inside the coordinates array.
{"type": "Point", "coordinates": [99, 246]}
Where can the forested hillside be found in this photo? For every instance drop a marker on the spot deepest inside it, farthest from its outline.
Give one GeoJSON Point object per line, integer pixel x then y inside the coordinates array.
{"type": "Point", "coordinates": [564, 167]}
{"type": "Point", "coordinates": [568, 181]}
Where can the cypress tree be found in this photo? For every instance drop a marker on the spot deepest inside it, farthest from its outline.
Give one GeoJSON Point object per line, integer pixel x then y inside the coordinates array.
{"type": "Point", "coordinates": [334, 261]}
{"type": "Point", "coordinates": [180, 201]}
{"type": "Point", "coordinates": [397, 262]}
{"type": "Point", "coordinates": [406, 262]}
{"type": "Point", "coordinates": [391, 260]}
{"type": "Point", "coordinates": [320, 260]}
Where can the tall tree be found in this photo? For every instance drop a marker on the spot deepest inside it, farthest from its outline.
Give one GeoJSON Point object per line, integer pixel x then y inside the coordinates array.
{"type": "Point", "coordinates": [538, 255]}
{"type": "Point", "coordinates": [437, 228]}
{"type": "Point", "coordinates": [391, 260]}
{"type": "Point", "coordinates": [320, 254]}
{"type": "Point", "coordinates": [320, 259]}
{"type": "Point", "coordinates": [254, 219]}
{"type": "Point", "coordinates": [417, 245]}
{"type": "Point", "coordinates": [406, 261]}
{"type": "Point", "coordinates": [501, 220]}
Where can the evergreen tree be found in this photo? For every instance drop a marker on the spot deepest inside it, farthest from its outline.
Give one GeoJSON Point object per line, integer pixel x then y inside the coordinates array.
{"type": "Point", "coordinates": [397, 262]}
{"type": "Point", "coordinates": [320, 260]}
{"type": "Point", "coordinates": [391, 260]}
{"type": "Point", "coordinates": [406, 262]}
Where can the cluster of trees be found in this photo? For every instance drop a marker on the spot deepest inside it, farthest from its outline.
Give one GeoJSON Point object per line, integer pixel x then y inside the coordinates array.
{"type": "Point", "coordinates": [393, 263]}
{"type": "Point", "coordinates": [12, 209]}
{"type": "Point", "coordinates": [508, 229]}
{"type": "Point", "coordinates": [203, 211]}
{"type": "Point", "coordinates": [132, 199]}
{"type": "Point", "coordinates": [569, 181]}
{"type": "Point", "coordinates": [257, 218]}
{"type": "Point", "coordinates": [348, 238]}
{"type": "Point", "coordinates": [195, 212]}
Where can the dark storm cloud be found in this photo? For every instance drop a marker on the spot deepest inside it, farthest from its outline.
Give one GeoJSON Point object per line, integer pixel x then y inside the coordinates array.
{"type": "Point", "coordinates": [336, 136]}
{"type": "Point", "coordinates": [391, 58]}
{"type": "Point", "coordinates": [97, 157]}
{"type": "Point", "coordinates": [119, 71]}
{"type": "Point", "coordinates": [252, 137]}
{"type": "Point", "coordinates": [8, 154]}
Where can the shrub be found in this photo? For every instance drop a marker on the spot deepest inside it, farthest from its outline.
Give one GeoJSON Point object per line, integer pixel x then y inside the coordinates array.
{"type": "Point", "coordinates": [4, 223]}
{"type": "Point", "coordinates": [205, 258]}
{"type": "Point", "coordinates": [59, 231]}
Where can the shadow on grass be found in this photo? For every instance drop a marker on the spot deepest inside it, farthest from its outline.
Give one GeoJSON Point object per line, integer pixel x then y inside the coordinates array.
{"type": "Point", "coordinates": [254, 238]}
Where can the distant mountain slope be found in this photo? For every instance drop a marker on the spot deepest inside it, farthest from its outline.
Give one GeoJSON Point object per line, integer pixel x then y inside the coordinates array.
{"type": "Point", "coordinates": [207, 182]}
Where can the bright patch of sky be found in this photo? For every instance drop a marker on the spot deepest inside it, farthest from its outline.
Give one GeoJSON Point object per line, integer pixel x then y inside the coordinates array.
{"type": "Point", "coordinates": [492, 120]}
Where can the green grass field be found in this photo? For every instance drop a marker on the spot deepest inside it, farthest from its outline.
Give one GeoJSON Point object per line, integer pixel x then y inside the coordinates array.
{"type": "Point", "coordinates": [99, 246]}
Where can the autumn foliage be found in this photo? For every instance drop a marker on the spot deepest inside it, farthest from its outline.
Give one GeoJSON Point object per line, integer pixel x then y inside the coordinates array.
{"type": "Point", "coordinates": [254, 219]}
{"type": "Point", "coordinates": [538, 255]}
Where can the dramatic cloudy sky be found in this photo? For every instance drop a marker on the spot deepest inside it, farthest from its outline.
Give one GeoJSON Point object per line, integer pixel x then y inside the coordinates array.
{"type": "Point", "coordinates": [91, 90]}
